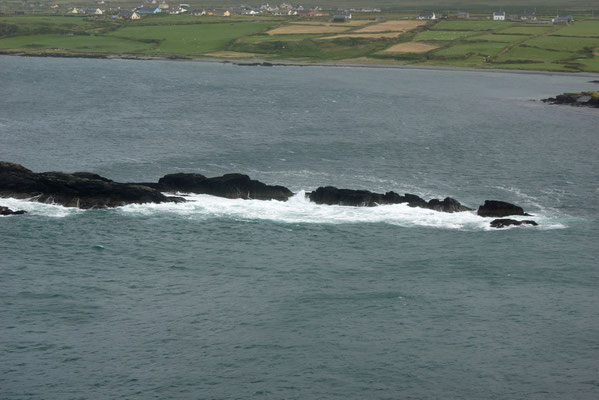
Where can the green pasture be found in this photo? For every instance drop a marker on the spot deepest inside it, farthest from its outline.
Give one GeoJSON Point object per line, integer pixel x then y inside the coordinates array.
{"type": "Point", "coordinates": [73, 43]}
{"type": "Point", "coordinates": [581, 28]}
{"type": "Point", "coordinates": [563, 43]}
{"type": "Point", "coordinates": [531, 30]}
{"type": "Point", "coordinates": [441, 35]}
{"type": "Point", "coordinates": [190, 40]}
{"type": "Point", "coordinates": [471, 25]}
{"type": "Point", "coordinates": [276, 38]}
{"type": "Point", "coordinates": [313, 49]}
{"type": "Point", "coordinates": [465, 43]}
{"type": "Point", "coordinates": [468, 49]}
{"type": "Point", "coordinates": [590, 64]}
{"type": "Point", "coordinates": [43, 19]}
{"type": "Point", "coordinates": [498, 38]}
{"type": "Point", "coordinates": [533, 54]}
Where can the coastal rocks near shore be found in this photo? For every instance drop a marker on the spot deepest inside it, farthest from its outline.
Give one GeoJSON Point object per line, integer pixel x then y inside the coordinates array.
{"type": "Point", "coordinates": [347, 197]}
{"type": "Point", "coordinates": [582, 99]}
{"type": "Point", "coordinates": [82, 190]}
{"type": "Point", "coordinates": [495, 208]}
{"type": "Point", "coordinates": [7, 211]}
{"type": "Point", "coordinates": [232, 186]}
{"type": "Point", "coordinates": [88, 190]}
{"type": "Point", "coordinates": [505, 222]}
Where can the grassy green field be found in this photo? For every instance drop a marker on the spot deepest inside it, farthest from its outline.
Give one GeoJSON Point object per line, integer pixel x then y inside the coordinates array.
{"type": "Point", "coordinates": [471, 25]}
{"type": "Point", "coordinates": [189, 40]}
{"type": "Point", "coordinates": [459, 43]}
{"type": "Point", "coordinates": [498, 37]}
{"type": "Point", "coordinates": [441, 35]}
{"type": "Point", "coordinates": [73, 44]}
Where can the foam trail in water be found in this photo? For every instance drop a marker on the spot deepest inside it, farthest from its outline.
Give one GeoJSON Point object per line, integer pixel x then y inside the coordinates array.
{"type": "Point", "coordinates": [35, 208]}
{"type": "Point", "coordinates": [298, 209]}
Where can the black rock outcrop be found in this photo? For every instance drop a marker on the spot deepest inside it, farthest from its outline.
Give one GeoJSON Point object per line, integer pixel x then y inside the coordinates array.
{"type": "Point", "coordinates": [8, 211]}
{"type": "Point", "coordinates": [495, 208]}
{"type": "Point", "coordinates": [363, 198]}
{"type": "Point", "coordinates": [503, 222]}
{"type": "Point", "coordinates": [81, 190]}
{"type": "Point", "coordinates": [582, 99]}
{"type": "Point", "coordinates": [232, 186]}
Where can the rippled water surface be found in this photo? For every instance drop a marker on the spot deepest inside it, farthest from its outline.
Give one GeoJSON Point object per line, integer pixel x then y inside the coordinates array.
{"type": "Point", "coordinates": [221, 299]}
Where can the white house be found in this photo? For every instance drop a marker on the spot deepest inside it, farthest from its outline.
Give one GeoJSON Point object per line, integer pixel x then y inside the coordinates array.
{"type": "Point", "coordinates": [427, 16]}
{"type": "Point", "coordinates": [499, 16]}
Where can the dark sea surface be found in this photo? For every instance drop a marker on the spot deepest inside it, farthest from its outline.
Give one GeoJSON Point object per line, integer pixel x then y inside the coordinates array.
{"type": "Point", "coordinates": [237, 299]}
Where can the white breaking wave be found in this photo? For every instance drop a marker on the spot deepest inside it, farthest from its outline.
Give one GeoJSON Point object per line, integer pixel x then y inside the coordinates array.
{"type": "Point", "coordinates": [297, 210]}
{"type": "Point", "coordinates": [35, 208]}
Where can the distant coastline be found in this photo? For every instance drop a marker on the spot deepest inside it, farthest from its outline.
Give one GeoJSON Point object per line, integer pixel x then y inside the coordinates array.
{"type": "Point", "coordinates": [291, 63]}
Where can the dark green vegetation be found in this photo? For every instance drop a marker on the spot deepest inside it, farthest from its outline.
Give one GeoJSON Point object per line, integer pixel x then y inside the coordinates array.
{"type": "Point", "coordinates": [476, 43]}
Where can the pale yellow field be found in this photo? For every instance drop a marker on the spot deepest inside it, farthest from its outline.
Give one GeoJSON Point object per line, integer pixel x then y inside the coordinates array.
{"type": "Point", "coordinates": [232, 54]}
{"type": "Point", "coordinates": [306, 29]}
{"type": "Point", "coordinates": [410, 47]}
{"type": "Point", "coordinates": [392, 26]}
{"type": "Point", "coordinates": [328, 23]}
{"type": "Point", "coordinates": [366, 35]}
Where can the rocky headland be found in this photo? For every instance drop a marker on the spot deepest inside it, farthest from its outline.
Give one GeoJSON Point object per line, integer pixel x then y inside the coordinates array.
{"type": "Point", "coordinates": [88, 190]}
{"type": "Point", "coordinates": [581, 99]}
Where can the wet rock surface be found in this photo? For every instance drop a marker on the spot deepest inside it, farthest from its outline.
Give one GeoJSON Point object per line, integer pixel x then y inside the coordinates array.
{"type": "Point", "coordinates": [582, 99]}
{"type": "Point", "coordinates": [363, 198]}
{"type": "Point", "coordinates": [496, 208]}
{"type": "Point", "coordinates": [505, 222]}
{"type": "Point", "coordinates": [8, 211]}
{"type": "Point", "coordinates": [82, 190]}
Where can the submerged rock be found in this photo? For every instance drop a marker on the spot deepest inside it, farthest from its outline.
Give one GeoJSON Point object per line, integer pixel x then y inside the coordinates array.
{"type": "Point", "coordinates": [363, 198]}
{"type": "Point", "coordinates": [232, 186]}
{"type": "Point", "coordinates": [503, 222]}
{"type": "Point", "coordinates": [82, 190]}
{"type": "Point", "coordinates": [495, 208]}
{"type": "Point", "coordinates": [8, 211]}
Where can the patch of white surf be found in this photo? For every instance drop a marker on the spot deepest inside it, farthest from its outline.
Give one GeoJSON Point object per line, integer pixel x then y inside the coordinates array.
{"type": "Point", "coordinates": [36, 208]}
{"type": "Point", "coordinates": [299, 210]}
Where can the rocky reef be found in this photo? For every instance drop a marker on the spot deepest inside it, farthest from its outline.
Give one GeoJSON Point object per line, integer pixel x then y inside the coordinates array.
{"type": "Point", "coordinates": [82, 190]}
{"type": "Point", "coordinates": [89, 190]}
{"type": "Point", "coordinates": [505, 222]}
{"type": "Point", "coordinates": [581, 99]}
{"type": "Point", "coordinates": [232, 186]}
{"type": "Point", "coordinates": [496, 208]}
{"type": "Point", "coordinates": [363, 198]}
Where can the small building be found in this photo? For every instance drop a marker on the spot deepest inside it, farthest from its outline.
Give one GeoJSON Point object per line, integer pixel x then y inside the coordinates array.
{"type": "Point", "coordinates": [222, 13]}
{"type": "Point", "coordinates": [499, 16]}
{"type": "Point", "coordinates": [463, 14]}
{"type": "Point", "coordinates": [528, 17]}
{"type": "Point", "coordinates": [563, 20]}
{"type": "Point", "coordinates": [430, 15]}
{"type": "Point", "coordinates": [341, 17]}
{"type": "Point", "coordinates": [128, 15]}
{"type": "Point", "coordinates": [145, 10]}
{"type": "Point", "coordinates": [90, 11]}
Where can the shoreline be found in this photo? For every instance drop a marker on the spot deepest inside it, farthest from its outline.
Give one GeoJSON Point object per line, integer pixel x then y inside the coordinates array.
{"type": "Point", "coordinates": [289, 63]}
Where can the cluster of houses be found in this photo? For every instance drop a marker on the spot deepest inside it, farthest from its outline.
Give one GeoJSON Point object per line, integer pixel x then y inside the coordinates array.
{"type": "Point", "coordinates": [155, 7]}
{"type": "Point", "coordinates": [530, 18]}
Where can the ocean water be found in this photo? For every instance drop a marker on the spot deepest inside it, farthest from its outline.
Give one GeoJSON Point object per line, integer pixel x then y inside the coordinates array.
{"type": "Point", "coordinates": [234, 299]}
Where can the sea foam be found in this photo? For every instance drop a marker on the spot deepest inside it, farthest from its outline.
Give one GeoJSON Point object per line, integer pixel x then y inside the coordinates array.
{"type": "Point", "coordinates": [297, 210]}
